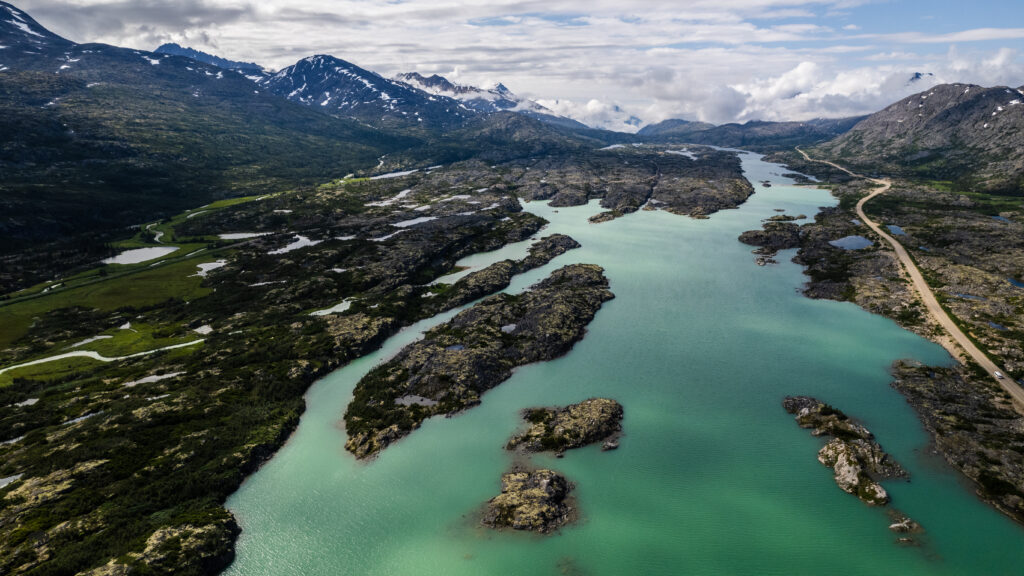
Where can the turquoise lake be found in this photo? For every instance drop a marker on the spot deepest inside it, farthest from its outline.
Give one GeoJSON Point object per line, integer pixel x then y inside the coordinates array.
{"type": "Point", "coordinates": [700, 346]}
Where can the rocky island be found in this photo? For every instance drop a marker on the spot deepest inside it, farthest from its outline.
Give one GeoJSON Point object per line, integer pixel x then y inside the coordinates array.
{"type": "Point", "coordinates": [458, 361]}
{"type": "Point", "coordinates": [777, 233]}
{"type": "Point", "coordinates": [534, 500]}
{"type": "Point", "coordinates": [497, 276]}
{"type": "Point", "coordinates": [853, 454]}
{"type": "Point", "coordinates": [562, 428]}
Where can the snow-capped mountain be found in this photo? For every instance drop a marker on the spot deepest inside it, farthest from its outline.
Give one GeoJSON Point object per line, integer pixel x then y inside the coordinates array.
{"type": "Point", "coordinates": [22, 34]}
{"type": "Point", "coordinates": [498, 98]}
{"type": "Point", "coordinates": [339, 87]}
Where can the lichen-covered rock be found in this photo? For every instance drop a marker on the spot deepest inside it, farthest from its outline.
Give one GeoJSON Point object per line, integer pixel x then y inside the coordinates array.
{"type": "Point", "coordinates": [857, 460]}
{"type": "Point", "coordinates": [845, 461]}
{"type": "Point", "coordinates": [458, 361]}
{"type": "Point", "coordinates": [534, 501]}
{"type": "Point", "coordinates": [573, 426]}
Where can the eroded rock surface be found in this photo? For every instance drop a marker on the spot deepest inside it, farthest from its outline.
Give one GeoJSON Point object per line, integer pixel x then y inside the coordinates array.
{"type": "Point", "coordinates": [534, 501]}
{"type": "Point", "coordinates": [559, 429]}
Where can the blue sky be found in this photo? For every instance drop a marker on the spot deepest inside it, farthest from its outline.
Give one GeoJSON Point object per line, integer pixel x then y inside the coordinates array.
{"type": "Point", "coordinates": [604, 61]}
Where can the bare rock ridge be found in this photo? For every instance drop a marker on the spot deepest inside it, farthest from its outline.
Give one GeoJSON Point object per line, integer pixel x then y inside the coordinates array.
{"type": "Point", "coordinates": [563, 428]}
{"type": "Point", "coordinates": [455, 363]}
{"type": "Point", "coordinates": [530, 500]}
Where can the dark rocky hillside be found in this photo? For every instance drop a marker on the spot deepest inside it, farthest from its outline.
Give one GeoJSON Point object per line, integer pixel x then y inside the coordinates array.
{"type": "Point", "coordinates": [95, 138]}
{"type": "Point", "coordinates": [960, 132]}
{"type": "Point", "coordinates": [762, 136]}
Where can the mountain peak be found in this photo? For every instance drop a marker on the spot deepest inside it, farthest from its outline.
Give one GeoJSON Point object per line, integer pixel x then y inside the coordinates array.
{"type": "Point", "coordinates": [21, 30]}
{"type": "Point", "coordinates": [339, 87]}
{"type": "Point", "coordinates": [199, 56]}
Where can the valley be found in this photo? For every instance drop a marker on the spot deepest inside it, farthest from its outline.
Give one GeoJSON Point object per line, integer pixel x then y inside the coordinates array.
{"type": "Point", "coordinates": [324, 320]}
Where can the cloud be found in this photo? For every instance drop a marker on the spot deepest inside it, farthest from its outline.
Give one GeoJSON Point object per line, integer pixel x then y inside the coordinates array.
{"type": "Point", "coordinates": [594, 112]}
{"type": "Point", "coordinates": [600, 61]}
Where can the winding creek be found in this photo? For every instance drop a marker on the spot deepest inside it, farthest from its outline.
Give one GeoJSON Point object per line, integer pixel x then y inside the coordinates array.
{"type": "Point", "coordinates": [712, 476]}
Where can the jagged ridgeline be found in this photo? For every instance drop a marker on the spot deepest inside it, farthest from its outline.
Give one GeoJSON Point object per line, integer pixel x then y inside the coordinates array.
{"type": "Point", "coordinates": [457, 362]}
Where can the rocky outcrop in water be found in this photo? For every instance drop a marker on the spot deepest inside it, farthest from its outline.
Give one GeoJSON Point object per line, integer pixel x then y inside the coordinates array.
{"type": "Point", "coordinates": [606, 216]}
{"type": "Point", "coordinates": [456, 362]}
{"type": "Point", "coordinates": [777, 234]}
{"type": "Point", "coordinates": [534, 501]}
{"type": "Point", "coordinates": [857, 460]}
{"type": "Point", "coordinates": [572, 426]}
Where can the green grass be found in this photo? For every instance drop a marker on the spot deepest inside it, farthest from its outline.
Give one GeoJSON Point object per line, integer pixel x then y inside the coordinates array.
{"type": "Point", "coordinates": [140, 240]}
{"type": "Point", "coordinates": [144, 288]}
{"type": "Point", "coordinates": [139, 338]}
{"type": "Point", "coordinates": [56, 370]}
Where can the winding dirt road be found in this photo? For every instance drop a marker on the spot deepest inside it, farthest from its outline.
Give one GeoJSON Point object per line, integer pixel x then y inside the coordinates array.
{"type": "Point", "coordinates": [925, 293]}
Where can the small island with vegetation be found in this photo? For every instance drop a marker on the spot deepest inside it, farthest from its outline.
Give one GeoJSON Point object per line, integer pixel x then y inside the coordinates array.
{"type": "Point", "coordinates": [857, 460]}
{"type": "Point", "coordinates": [560, 429]}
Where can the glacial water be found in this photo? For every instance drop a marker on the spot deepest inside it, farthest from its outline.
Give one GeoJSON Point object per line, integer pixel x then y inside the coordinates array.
{"type": "Point", "coordinates": [139, 255]}
{"type": "Point", "coordinates": [712, 477]}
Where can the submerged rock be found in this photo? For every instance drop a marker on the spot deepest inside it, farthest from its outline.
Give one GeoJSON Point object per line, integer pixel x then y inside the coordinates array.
{"type": "Point", "coordinates": [857, 460]}
{"type": "Point", "coordinates": [534, 501]}
{"type": "Point", "coordinates": [573, 426]}
{"type": "Point", "coordinates": [902, 524]}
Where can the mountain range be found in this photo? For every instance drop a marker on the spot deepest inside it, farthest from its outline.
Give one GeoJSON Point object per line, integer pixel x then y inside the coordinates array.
{"type": "Point", "coordinates": [97, 138]}
{"type": "Point", "coordinates": [198, 56]}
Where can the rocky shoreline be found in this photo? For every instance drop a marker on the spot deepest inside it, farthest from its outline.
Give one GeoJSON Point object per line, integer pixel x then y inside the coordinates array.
{"type": "Point", "coordinates": [455, 363]}
{"type": "Point", "coordinates": [628, 179]}
{"type": "Point", "coordinates": [974, 427]}
{"type": "Point", "coordinates": [967, 257]}
{"type": "Point", "coordinates": [497, 276]}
